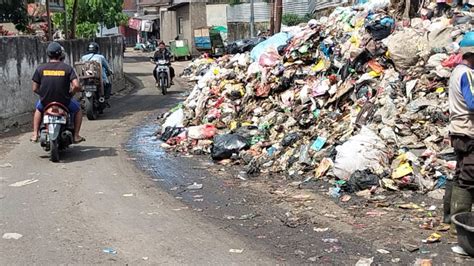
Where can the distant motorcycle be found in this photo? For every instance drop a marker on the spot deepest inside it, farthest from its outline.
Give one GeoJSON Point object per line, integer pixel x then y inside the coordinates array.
{"type": "Point", "coordinates": [90, 77]}
{"type": "Point", "coordinates": [57, 130]}
{"type": "Point", "coordinates": [148, 47]}
{"type": "Point", "coordinates": [163, 73]}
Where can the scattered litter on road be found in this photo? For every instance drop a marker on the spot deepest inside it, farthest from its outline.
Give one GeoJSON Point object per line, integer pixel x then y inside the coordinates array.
{"type": "Point", "coordinates": [433, 238]}
{"type": "Point", "coordinates": [128, 195]}
{"type": "Point", "coordinates": [409, 206]}
{"type": "Point", "coordinates": [319, 230]}
{"type": "Point", "coordinates": [24, 183]}
{"type": "Point", "coordinates": [459, 250]}
{"type": "Point", "coordinates": [383, 251]}
{"type": "Point", "coordinates": [330, 240]}
{"type": "Point", "coordinates": [144, 258]}
{"type": "Point", "coordinates": [109, 251]}
{"type": "Point", "coordinates": [237, 251]}
{"type": "Point", "coordinates": [345, 198]}
{"type": "Point", "coordinates": [365, 261]}
{"type": "Point", "coordinates": [423, 262]}
{"type": "Point", "coordinates": [195, 186]}
{"type": "Point", "coordinates": [6, 165]}
{"type": "Point", "coordinates": [15, 236]}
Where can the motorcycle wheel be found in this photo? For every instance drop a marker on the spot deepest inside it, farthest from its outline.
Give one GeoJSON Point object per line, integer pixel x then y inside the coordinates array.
{"type": "Point", "coordinates": [90, 111]}
{"type": "Point", "coordinates": [54, 146]}
{"type": "Point", "coordinates": [164, 84]}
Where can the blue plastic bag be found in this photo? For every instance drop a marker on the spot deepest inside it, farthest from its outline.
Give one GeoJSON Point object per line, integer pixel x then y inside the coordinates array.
{"type": "Point", "coordinates": [275, 41]}
{"type": "Point", "coordinates": [468, 39]}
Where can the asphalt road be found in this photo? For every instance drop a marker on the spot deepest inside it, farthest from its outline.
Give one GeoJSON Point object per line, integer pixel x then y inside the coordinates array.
{"type": "Point", "coordinates": [96, 199]}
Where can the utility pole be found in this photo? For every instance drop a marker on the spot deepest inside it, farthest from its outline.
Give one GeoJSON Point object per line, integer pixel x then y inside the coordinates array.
{"type": "Point", "coordinates": [278, 15]}
{"type": "Point", "coordinates": [252, 19]}
{"type": "Point", "coordinates": [272, 17]}
{"type": "Point", "coordinates": [48, 16]}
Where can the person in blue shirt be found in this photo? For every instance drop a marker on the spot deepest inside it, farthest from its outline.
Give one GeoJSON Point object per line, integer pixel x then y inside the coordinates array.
{"type": "Point", "coordinates": [94, 55]}
{"type": "Point", "coordinates": [459, 195]}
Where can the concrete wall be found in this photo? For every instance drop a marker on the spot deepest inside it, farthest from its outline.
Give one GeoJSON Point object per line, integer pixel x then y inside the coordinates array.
{"type": "Point", "coordinates": [198, 20]}
{"type": "Point", "coordinates": [19, 57]}
{"type": "Point", "coordinates": [216, 15]}
{"type": "Point", "coordinates": [241, 30]}
{"type": "Point", "coordinates": [183, 13]}
{"type": "Point", "coordinates": [168, 30]}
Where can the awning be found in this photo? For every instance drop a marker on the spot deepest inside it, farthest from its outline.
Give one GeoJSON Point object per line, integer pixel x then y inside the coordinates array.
{"type": "Point", "coordinates": [174, 7]}
{"type": "Point", "coordinates": [148, 17]}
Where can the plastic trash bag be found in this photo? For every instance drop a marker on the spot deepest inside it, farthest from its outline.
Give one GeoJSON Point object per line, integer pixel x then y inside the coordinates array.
{"type": "Point", "coordinates": [202, 132]}
{"type": "Point", "coordinates": [269, 58]}
{"type": "Point", "coordinates": [468, 39]}
{"type": "Point", "coordinates": [404, 47]}
{"type": "Point", "coordinates": [290, 139]}
{"type": "Point", "coordinates": [373, 5]}
{"type": "Point", "coordinates": [380, 29]}
{"type": "Point", "coordinates": [275, 41]}
{"type": "Point", "coordinates": [171, 132]}
{"type": "Point", "coordinates": [226, 145]}
{"type": "Point", "coordinates": [362, 180]}
{"type": "Point", "coordinates": [176, 119]}
{"type": "Point", "coordinates": [363, 151]}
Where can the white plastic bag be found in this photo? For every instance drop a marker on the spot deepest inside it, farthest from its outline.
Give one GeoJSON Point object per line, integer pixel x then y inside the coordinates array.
{"type": "Point", "coordinates": [174, 120]}
{"type": "Point", "coordinates": [362, 151]}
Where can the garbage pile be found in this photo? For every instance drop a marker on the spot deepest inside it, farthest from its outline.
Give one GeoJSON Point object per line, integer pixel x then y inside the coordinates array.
{"type": "Point", "coordinates": [356, 97]}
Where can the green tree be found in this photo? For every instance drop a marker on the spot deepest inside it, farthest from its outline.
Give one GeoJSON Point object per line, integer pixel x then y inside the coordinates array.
{"type": "Point", "coordinates": [14, 12]}
{"type": "Point", "coordinates": [84, 16]}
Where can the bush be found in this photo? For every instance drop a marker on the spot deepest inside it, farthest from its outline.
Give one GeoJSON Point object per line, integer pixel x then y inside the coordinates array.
{"type": "Point", "coordinates": [293, 19]}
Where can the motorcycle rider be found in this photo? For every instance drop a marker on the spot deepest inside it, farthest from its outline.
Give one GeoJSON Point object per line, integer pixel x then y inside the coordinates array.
{"type": "Point", "coordinates": [94, 55]}
{"type": "Point", "coordinates": [163, 54]}
{"type": "Point", "coordinates": [56, 81]}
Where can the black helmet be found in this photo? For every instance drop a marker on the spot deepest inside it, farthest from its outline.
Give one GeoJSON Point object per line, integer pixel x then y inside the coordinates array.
{"type": "Point", "coordinates": [54, 50]}
{"type": "Point", "coordinates": [93, 47]}
{"type": "Point", "coordinates": [63, 54]}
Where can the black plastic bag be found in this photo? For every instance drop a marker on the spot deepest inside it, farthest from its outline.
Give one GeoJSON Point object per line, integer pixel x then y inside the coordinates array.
{"type": "Point", "coordinates": [361, 180]}
{"type": "Point", "coordinates": [377, 30]}
{"type": "Point", "coordinates": [171, 132]}
{"type": "Point", "coordinates": [226, 145]}
{"type": "Point", "coordinates": [290, 139]}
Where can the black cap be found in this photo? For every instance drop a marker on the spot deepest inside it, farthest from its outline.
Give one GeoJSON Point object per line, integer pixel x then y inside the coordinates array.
{"type": "Point", "coordinates": [54, 49]}
{"type": "Point", "coordinates": [468, 56]}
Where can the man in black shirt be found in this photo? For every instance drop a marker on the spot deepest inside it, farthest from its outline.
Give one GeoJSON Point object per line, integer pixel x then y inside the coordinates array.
{"type": "Point", "coordinates": [163, 54]}
{"type": "Point", "coordinates": [56, 81]}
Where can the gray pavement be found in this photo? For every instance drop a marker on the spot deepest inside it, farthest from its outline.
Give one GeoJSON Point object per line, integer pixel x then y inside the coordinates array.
{"type": "Point", "coordinates": [95, 198]}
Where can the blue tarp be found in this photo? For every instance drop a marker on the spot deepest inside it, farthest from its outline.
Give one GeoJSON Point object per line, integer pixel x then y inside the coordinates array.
{"type": "Point", "coordinates": [276, 41]}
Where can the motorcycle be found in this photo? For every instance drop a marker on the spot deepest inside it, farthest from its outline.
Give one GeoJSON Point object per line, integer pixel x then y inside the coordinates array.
{"type": "Point", "coordinates": [90, 77]}
{"type": "Point", "coordinates": [57, 129]}
{"type": "Point", "coordinates": [162, 71]}
{"type": "Point", "coordinates": [148, 47]}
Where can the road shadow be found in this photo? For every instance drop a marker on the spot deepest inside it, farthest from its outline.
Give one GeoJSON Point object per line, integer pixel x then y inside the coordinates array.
{"type": "Point", "coordinates": [136, 58]}
{"type": "Point", "coordinates": [80, 153]}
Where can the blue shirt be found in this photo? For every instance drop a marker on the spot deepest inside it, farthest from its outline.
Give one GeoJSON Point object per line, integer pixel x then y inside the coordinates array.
{"type": "Point", "coordinates": [101, 59]}
{"type": "Point", "coordinates": [467, 90]}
